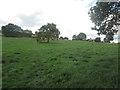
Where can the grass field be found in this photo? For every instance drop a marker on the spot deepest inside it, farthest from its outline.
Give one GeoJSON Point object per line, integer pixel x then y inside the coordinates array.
{"type": "Point", "coordinates": [59, 64]}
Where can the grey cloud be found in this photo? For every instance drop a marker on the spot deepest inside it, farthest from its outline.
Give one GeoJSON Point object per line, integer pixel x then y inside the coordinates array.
{"type": "Point", "coordinates": [30, 20]}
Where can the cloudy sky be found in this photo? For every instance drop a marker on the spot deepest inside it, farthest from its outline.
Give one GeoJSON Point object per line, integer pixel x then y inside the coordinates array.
{"type": "Point", "coordinates": [70, 16]}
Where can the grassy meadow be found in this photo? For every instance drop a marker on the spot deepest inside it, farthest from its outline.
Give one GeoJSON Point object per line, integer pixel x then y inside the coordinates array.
{"type": "Point", "coordinates": [59, 64]}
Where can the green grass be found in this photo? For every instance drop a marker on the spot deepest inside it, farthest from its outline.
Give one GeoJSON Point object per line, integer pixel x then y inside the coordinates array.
{"type": "Point", "coordinates": [59, 64]}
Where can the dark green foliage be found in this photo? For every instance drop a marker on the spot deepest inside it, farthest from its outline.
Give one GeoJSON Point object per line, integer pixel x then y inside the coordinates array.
{"type": "Point", "coordinates": [80, 36]}
{"type": "Point", "coordinates": [66, 38]}
{"type": "Point", "coordinates": [12, 30]}
{"type": "Point", "coordinates": [109, 38]}
{"type": "Point", "coordinates": [74, 37]}
{"type": "Point", "coordinates": [47, 32]}
{"type": "Point", "coordinates": [27, 33]}
{"type": "Point", "coordinates": [61, 38]}
{"type": "Point", "coordinates": [98, 39]}
{"type": "Point", "coordinates": [104, 16]}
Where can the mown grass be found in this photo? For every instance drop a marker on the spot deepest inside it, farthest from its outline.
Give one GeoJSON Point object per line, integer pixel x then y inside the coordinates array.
{"type": "Point", "coordinates": [59, 64]}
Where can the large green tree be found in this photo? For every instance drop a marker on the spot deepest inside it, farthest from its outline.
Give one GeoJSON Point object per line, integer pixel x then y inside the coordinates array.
{"type": "Point", "coordinates": [81, 36]}
{"type": "Point", "coordinates": [54, 31]}
{"type": "Point", "coordinates": [11, 30]}
{"type": "Point", "coordinates": [104, 16]}
{"type": "Point", "coordinates": [47, 32]}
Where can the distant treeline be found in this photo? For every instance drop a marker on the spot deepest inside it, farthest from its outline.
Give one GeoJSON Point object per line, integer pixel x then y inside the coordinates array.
{"type": "Point", "coordinates": [12, 30]}
{"type": "Point", "coordinates": [83, 36]}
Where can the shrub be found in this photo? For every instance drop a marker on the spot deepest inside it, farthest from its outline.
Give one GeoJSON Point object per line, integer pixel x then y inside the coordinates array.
{"type": "Point", "coordinates": [98, 39]}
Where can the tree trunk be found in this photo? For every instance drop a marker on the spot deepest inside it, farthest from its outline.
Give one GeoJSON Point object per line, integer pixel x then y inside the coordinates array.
{"type": "Point", "coordinates": [48, 40]}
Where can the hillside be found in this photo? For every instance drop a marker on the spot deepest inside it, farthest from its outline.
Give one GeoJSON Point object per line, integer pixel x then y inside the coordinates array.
{"type": "Point", "coordinates": [59, 64]}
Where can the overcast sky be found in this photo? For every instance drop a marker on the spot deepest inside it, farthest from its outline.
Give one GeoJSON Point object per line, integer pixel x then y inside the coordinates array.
{"type": "Point", "coordinates": [70, 16]}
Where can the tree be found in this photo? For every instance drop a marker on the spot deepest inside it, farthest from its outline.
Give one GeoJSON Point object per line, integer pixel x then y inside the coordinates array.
{"type": "Point", "coordinates": [11, 30]}
{"type": "Point", "coordinates": [54, 31]}
{"type": "Point", "coordinates": [104, 16]}
{"type": "Point", "coordinates": [36, 32]}
{"type": "Point", "coordinates": [81, 36]}
{"type": "Point", "coordinates": [97, 39]}
{"type": "Point", "coordinates": [43, 34]}
{"type": "Point", "coordinates": [74, 37]}
{"type": "Point", "coordinates": [27, 33]}
{"type": "Point", "coordinates": [0, 33]}
{"type": "Point", "coordinates": [65, 38]}
{"type": "Point", "coordinates": [47, 32]}
{"type": "Point", "coordinates": [61, 38]}
{"type": "Point", "coordinates": [56, 34]}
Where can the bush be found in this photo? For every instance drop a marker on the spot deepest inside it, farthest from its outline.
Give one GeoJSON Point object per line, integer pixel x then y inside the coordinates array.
{"type": "Point", "coordinates": [98, 39]}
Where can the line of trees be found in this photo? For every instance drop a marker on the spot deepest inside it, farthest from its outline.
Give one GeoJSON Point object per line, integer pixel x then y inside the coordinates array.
{"type": "Point", "coordinates": [64, 38]}
{"type": "Point", "coordinates": [104, 15]}
{"type": "Point", "coordinates": [44, 34]}
{"type": "Point", "coordinates": [83, 36]}
{"type": "Point", "coordinates": [12, 30]}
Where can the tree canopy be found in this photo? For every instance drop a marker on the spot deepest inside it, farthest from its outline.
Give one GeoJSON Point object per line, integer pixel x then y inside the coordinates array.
{"type": "Point", "coordinates": [27, 33]}
{"type": "Point", "coordinates": [80, 36]}
{"type": "Point", "coordinates": [104, 16]}
{"type": "Point", "coordinates": [74, 37]}
{"type": "Point", "coordinates": [12, 30]}
{"type": "Point", "coordinates": [47, 32]}
{"type": "Point", "coordinates": [97, 39]}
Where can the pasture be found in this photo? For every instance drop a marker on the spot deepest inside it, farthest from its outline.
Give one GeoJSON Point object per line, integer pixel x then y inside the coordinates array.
{"type": "Point", "coordinates": [59, 64]}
